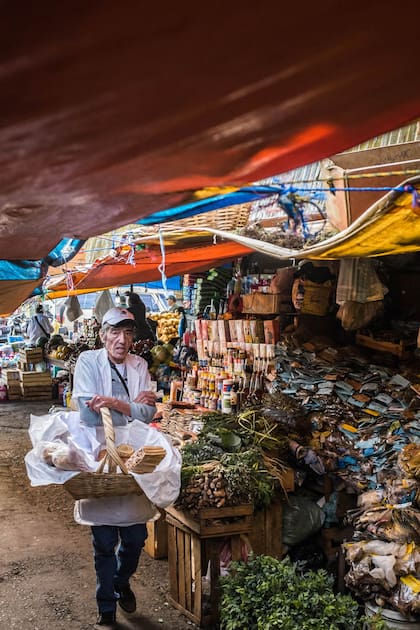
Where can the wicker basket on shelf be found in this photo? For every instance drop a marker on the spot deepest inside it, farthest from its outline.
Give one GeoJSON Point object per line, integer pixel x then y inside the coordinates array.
{"type": "Point", "coordinates": [90, 485]}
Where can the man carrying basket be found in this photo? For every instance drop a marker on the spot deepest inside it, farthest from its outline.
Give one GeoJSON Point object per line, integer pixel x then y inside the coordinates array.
{"type": "Point", "coordinates": [114, 379]}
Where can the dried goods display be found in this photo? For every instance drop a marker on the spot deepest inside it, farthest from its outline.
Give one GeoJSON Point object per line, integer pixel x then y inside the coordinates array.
{"type": "Point", "coordinates": [365, 429]}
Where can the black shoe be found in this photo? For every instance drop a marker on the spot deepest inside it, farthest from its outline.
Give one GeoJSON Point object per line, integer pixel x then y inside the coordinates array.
{"type": "Point", "coordinates": [106, 621]}
{"type": "Point", "coordinates": [127, 599]}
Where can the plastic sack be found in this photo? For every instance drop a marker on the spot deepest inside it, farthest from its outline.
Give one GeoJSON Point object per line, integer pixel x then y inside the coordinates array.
{"type": "Point", "coordinates": [407, 597]}
{"type": "Point", "coordinates": [103, 303]}
{"type": "Point", "coordinates": [65, 456]}
{"type": "Point", "coordinates": [386, 565]}
{"type": "Point", "coordinates": [358, 282]}
{"type": "Point", "coordinates": [370, 498]}
{"type": "Point", "coordinates": [355, 315]}
{"type": "Point", "coordinates": [301, 518]}
{"type": "Point", "coordinates": [73, 308]}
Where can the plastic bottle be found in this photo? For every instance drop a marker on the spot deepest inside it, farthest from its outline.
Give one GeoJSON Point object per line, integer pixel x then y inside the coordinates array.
{"type": "Point", "coordinates": [212, 311]}
{"type": "Point", "coordinates": [65, 390]}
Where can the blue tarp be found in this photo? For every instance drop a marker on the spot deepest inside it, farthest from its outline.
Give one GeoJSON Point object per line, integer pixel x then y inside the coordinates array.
{"type": "Point", "coordinates": [22, 269]}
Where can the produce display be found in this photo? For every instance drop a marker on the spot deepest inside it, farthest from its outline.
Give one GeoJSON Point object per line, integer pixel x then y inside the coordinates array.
{"type": "Point", "coordinates": [238, 458]}
{"type": "Point", "coordinates": [167, 325]}
{"type": "Point", "coordinates": [266, 593]}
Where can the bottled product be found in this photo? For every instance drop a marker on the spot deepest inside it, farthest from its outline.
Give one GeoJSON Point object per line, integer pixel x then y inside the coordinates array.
{"type": "Point", "coordinates": [212, 311]}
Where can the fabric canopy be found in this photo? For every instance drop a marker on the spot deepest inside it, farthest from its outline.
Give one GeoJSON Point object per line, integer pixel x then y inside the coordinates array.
{"type": "Point", "coordinates": [111, 113]}
{"type": "Point", "coordinates": [390, 226]}
{"type": "Point", "coordinates": [146, 264]}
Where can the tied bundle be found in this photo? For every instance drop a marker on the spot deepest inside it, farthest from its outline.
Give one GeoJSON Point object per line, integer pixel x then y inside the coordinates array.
{"type": "Point", "coordinates": [145, 459]}
{"type": "Point", "coordinates": [409, 460]}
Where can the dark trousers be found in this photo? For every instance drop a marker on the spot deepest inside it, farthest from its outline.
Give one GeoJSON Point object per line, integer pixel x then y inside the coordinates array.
{"type": "Point", "coordinates": [117, 553]}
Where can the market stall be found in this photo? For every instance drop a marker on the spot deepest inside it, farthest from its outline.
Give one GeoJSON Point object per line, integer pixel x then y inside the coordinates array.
{"type": "Point", "coordinates": [343, 415]}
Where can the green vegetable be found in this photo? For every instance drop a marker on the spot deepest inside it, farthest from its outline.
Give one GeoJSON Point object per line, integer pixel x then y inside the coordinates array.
{"type": "Point", "coordinates": [266, 594]}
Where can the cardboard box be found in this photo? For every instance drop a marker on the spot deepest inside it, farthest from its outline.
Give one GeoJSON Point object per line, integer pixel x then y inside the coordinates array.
{"type": "Point", "coordinates": [257, 330]}
{"type": "Point", "coordinates": [198, 332]}
{"type": "Point", "coordinates": [213, 330]}
{"type": "Point", "coordinates": [233, 330]}
{"type": "Point", "coordinates": [239, 330]}
{"type": "Point", "coordinates": [200, 349]}
{"type": "Point", "coordinates": [247, 330]}
{"type": "Point", "coordinates": [224, 332]}
{"type": "Point", "coordinates": [204, 329]}
{"type": "Point", "coordinates": [271, 331]}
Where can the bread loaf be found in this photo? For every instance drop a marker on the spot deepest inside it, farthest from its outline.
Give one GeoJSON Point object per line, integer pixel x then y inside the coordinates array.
{"type": "Point", "coordinates": [145, 459]}
{"type": "Point", "coordinates": [125, 451]}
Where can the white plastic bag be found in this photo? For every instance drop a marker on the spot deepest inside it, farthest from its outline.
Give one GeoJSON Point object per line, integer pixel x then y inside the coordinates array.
{"type": "Point", "coordinates": [103, 304]}
{"type": "Point", "coordinates": [73, 308]}
{"type": "Point", "coordinates": [161, 487]}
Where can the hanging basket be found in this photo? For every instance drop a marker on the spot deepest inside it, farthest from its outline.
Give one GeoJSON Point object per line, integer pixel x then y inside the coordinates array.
{"type": "Point", "coordinates": [93, 485]}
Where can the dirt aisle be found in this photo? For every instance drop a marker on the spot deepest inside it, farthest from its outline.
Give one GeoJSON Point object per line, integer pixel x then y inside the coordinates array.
{"type": "Point", "coordinates": [47, 580]}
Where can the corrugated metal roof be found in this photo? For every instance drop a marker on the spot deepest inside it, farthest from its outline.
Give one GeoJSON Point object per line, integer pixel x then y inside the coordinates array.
{"type": "Point", "coordinates": [409, 133]}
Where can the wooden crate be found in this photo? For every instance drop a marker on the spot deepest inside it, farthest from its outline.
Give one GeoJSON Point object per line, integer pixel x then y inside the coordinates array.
{"type": "Point", "coordinates": [191, 555]}
{"type": "Point", "coordinates": [213, 522]}
{"type": "Point", "coordinates": [11, 376]}
{"type": "Point", "coordinates": [400, 349]}
{"type": "Point", "coordinates": [156, 545]}
{"type": "Point", "coordinates": [31, 355]}
{"type": "Point", "coordinates": [265, 536]}
{"type": "Point", "coordinates": [36, 392]}
{"type": "Point", "coordinates": [35, 377]}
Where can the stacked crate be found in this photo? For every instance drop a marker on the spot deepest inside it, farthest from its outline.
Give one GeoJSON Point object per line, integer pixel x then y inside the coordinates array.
{"type": "Point", "coordinates": [35, 380]}
{"type": "Point", "coordinates": [11, 379]}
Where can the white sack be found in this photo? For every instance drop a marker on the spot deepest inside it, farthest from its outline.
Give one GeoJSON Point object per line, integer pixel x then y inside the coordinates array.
{"type": "Point", "coordinates": [161, 486]}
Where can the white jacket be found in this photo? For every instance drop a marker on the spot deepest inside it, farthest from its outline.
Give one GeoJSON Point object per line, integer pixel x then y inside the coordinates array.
{"type": "Point", "coordinates": [92, 376]}
{"type": "Point", "coordinates": [34, 330]}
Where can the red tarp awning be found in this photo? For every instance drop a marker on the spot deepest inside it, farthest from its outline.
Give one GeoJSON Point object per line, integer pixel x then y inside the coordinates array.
{"type": "Point", "coordinates": [110, 111]}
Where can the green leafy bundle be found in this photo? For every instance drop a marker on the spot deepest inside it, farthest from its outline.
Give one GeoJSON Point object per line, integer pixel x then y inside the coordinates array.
{"type": "Point", "coordinates": [265, 594]}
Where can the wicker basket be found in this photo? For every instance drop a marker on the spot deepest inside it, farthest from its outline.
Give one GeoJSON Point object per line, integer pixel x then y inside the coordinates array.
{"type": "Point", "coordinates": [90, 485]}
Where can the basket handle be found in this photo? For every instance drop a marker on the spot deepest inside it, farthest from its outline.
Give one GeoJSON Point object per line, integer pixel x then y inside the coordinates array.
{"type": "Point", "coordinates": [114, 459]}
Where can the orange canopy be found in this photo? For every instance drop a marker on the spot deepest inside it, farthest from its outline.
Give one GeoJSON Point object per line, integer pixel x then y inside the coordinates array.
{"type": "Point", "coordinates": [111, 272]}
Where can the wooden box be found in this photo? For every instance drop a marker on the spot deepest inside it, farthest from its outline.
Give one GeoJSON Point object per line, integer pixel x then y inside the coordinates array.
{"type": "Point", "coordinates": [213, 522]}
{"type": "Point", "coordinates": [36, 378]}
{"type": "Point", "coordinates": [261, 303]}
{"type": "Point", "coordinates": [288, 480]}
{"type": "Point", "coordinates": [191, 556]}
{"type": "Point", "coordinates": [156, 545]}
{"type": "Point", "coordinates": [31, 355]}
{"type": "Point", "coordinates": [265, 536]}
{"type": "Point", "coordinates": [400, 349]}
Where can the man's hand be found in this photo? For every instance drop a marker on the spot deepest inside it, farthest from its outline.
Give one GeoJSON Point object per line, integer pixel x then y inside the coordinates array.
{"type": "Point", "coordinates": [147, 398]}
{"type": "Point", "coordinates": [97, 402]}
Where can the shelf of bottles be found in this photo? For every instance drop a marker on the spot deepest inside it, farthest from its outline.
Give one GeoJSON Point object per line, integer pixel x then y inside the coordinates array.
{"type": "Point", "coordinates": [226, 376]}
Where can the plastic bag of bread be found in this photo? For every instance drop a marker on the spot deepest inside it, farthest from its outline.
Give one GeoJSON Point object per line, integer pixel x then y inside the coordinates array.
{"type": "Point", "coordinates": [63, 456]}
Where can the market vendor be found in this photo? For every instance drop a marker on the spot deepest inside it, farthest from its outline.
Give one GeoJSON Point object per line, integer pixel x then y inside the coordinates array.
{"type": "Point", "coordinates": [112, 378]}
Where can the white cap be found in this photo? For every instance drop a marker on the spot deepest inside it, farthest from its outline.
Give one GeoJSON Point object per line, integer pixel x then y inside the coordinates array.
{"type": "Point", "coordinates": [116, 316]}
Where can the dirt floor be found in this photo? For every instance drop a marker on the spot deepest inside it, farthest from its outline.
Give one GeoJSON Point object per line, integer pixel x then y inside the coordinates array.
{"type": "Point", "coordinates": [47, 578]}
